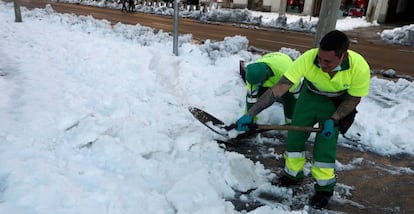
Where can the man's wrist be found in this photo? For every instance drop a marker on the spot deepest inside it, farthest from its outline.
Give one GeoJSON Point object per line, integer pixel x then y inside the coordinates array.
{"type": "Point", "coordinates": [336, 121]}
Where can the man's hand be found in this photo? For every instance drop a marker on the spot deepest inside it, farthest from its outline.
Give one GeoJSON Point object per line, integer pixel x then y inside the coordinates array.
{"type": "Point", "coordinates": [244, 123]}
{"type": "Point", "coordinates": [328, 129]}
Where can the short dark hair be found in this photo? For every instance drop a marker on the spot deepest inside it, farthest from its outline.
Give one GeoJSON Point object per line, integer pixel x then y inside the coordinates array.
{"type": "Point", "coordinates": [335, 41]}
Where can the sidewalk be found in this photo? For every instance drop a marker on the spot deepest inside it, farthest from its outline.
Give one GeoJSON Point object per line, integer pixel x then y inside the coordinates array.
{"type": "Point", "coordinates": [371, 34]}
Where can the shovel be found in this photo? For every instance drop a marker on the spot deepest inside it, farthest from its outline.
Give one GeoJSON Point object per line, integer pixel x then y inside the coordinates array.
{"type": "Point", "coordinates": [222, 129]}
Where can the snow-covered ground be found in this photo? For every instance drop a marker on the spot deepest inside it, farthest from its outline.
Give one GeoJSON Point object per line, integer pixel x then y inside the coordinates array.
{"type": "Point", "coordinates": [94, 119]}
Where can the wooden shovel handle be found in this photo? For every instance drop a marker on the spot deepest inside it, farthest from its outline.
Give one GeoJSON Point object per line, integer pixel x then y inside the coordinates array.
{"type": "Point", "coordinates": [288, 128]}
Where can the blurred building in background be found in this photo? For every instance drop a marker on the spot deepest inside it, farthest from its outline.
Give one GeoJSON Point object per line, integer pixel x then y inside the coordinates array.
{"type": "Point", "coordinates": [384, 11]}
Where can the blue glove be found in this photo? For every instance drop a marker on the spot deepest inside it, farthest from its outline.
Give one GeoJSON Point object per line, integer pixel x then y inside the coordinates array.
{"type": "Point", "coordinates": [244, 123]}
{"type": "Point", "coordinates": [328, 129]}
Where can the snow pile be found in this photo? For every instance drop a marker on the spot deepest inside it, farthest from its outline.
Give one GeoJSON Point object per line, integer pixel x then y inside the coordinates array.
{"type": "Point", "coordinates": [401, 35]}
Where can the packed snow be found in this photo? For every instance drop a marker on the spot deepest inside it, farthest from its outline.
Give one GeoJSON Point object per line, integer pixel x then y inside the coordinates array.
{"type": "Point", "coordinates": [95, 119]}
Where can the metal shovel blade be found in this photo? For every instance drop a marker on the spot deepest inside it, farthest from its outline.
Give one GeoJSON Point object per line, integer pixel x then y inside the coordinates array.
{"type": "Point", "coordinates": [210, 121]}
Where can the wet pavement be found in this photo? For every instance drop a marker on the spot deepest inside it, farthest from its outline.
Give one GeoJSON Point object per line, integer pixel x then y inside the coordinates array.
{"type": "Point", "coordinates": [371, 34]}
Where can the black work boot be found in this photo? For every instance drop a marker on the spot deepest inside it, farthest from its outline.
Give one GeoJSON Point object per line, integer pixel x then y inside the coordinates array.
{"type": "Point", "coordinates": [320, 199]}
{"type": "Point", "coordinates": [285, 181]}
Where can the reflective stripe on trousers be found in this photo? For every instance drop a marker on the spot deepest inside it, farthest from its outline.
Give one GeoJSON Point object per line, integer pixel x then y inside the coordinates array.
{"type": "Point", "coordinates": [251, 100]}
{"type": "Point", "coordinates": [323, 173]}
{"type": "Point", "coordinates": [294, 162]}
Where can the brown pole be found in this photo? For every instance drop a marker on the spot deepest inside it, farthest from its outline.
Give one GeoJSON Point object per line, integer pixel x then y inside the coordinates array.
{"type": "Point", "coordinates": [17, 12]}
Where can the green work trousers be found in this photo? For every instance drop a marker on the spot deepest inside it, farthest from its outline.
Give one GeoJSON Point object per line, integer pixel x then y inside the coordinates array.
{"type": "Point", "coordinates": [310, 109]}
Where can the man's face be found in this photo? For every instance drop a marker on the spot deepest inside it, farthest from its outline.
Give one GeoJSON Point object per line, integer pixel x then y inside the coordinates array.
{"type": "Point", "coordinates": [328, 60]}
